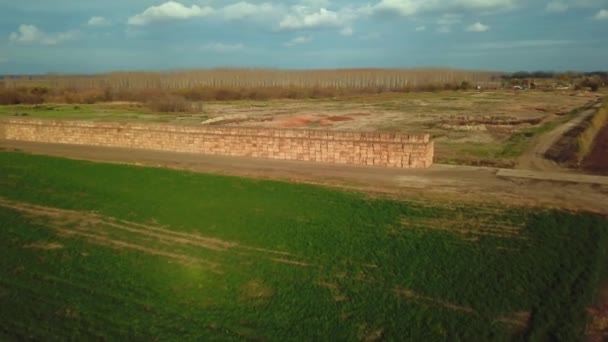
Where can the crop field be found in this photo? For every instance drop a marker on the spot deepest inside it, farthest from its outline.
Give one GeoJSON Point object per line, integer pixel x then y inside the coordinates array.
{"type": "Point", "coordinates": [477, 128]}
{"type": "Point", "coordinates": [108, 252]}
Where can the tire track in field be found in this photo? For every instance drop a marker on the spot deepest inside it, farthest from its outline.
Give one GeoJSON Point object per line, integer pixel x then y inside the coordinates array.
{"type": "Point", "coordinates": [102, 230]}
{"type": "Point", "coordinates": [414, 296]}
{"type": "Point", "coordinates": [517, 321]}
{"type": "Point", "coordinates": [486, 222]}
{"type": "Point", "coordinates": [98, 229]}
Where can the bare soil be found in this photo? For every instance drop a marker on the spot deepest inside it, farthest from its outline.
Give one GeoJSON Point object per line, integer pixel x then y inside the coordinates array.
{"type": "Point", "coordinates": [485, 115]}
{"type": "Point", "coordinates": [557, 146]}
{"type": "Point", "coordinates": [597, 160]}
{"type": "Point", "coordinates": [468, 127]}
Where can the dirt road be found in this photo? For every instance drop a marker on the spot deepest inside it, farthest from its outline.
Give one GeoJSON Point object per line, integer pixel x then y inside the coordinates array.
{"type": "Point", "coordinates": [453, 183]}
{"type": "Point", "coordinates": [534, 159]}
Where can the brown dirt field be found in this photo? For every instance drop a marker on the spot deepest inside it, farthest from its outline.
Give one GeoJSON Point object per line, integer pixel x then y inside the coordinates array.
{"type": "Point", "coordinates": [597, 160]}
{"type": "Point", "coordinates": [295, 121]}
{"type": "Point", "coordinates": [408, 112]}
{"type": "Point", "coordinates": [339, 118]}
{"type": "Point", "coordinates": [554, 145]}
{"type": "Point", "coordinates": [468, 127]}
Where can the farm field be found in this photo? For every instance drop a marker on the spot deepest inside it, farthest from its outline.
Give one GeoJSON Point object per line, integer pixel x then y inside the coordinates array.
{"type": "Point", "coordinates": [103, 251]}
{"type": "Point", "coordinates": [491, 128]}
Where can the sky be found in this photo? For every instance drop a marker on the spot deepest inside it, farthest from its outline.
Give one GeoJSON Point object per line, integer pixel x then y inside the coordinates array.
{"type": "Point", "coordinates": [78, 36]}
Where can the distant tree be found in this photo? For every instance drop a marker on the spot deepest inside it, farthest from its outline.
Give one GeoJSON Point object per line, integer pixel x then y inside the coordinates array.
{"type": "Point", "coordinates": [542, 74]}
{"type": "Point", "coordinates": [515, 82]}
{"type": "Point", "coordinates": [593, 83]}
{"type": "Point", "coordinates": [521, 74]}
{"type": "Point", "coordinates": [465, 85]}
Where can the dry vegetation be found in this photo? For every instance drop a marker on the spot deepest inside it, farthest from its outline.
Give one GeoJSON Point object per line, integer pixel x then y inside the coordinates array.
{"type": "Point", "coordinates": [469, 127]}
{"type": "Point", "coordinates": [233, 84]}
{"type": "Point", "coordinates": [585, 141]}
{"type": "Point", "coordinates": [477, 128]}
{"type": "Point", "coordinates": [572, 149]}
{"type": "Point", "coordinates": [263, 78]}
{"type": "Point", "coordinates": [491, 127]}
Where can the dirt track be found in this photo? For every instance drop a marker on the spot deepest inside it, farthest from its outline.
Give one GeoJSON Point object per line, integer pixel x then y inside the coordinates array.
{"type": "Point", "coordinates": [460, 183]}
{"type": "Point", "coordinates": [534, 158]}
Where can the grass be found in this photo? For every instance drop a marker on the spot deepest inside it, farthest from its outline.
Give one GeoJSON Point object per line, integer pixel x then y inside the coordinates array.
{"type": "Point", "coordinates": [102, 112]}
{"type": "Point", "coordinates": [501, 154]}
{"type": "Point", "coordinates": [101, 251]}
{"type": "Point", "coordinates": [587, 138]}
{"type": "Point", "coordinates": [520, 141]}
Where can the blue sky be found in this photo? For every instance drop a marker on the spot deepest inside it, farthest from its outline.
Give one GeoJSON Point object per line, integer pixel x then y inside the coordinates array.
{"type": "Point", "coordinates": [78, 36]}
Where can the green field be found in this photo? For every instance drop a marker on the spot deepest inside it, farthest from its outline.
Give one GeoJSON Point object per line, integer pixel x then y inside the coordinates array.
{"type": "Point", "coordinates": [95, 112]}
{"type": "Point", "coordinates": [111, 252]}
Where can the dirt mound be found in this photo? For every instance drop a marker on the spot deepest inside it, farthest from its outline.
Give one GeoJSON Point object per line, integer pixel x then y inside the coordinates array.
{"type": "Point", "coordinates": [577, 142]}
{"type": "Point", "coordinates": [339, 118]}
{"type": "Point", "coordinates": [597, 160]}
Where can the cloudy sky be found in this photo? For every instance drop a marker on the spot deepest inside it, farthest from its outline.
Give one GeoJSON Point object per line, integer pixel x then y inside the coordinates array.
{"type": "Point", "coordinates": [78, 36]}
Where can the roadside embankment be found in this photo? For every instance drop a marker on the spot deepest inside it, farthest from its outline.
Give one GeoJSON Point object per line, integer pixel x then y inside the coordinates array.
{"type": "Point", "coordinates": [575, 147]}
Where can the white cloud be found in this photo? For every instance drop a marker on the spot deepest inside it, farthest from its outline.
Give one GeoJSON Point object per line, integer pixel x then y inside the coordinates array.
{"type": "Point", "coordinates": [403, 8]}
{"type": "Point", "coordinates": [406, 8]}
{"type": "Point", "coordinates": [480, 5]}
{"type": "Point", "coordinates": [30, 34]}
{"type": "Point", "coordinates": [299, 41]}
{"type": "Point", "coordinates": [304, 19]}
{"type": "Point", "coordinates": [478, 27]}
{"type": "Point", "coordinates": [420, 28]}
{"type": "Point", "coordinates": [99, 21]}
{"type": "Point", "coordinates": [308, 14]}
{"type": "Point", "coordinates": [170, 10]}
{"type": "Point", "coordinates": [223, 48]}
{"type": "Point", "coordinates": [601, 15]}
{"type": "Point", "coordinates": [242, 10]}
